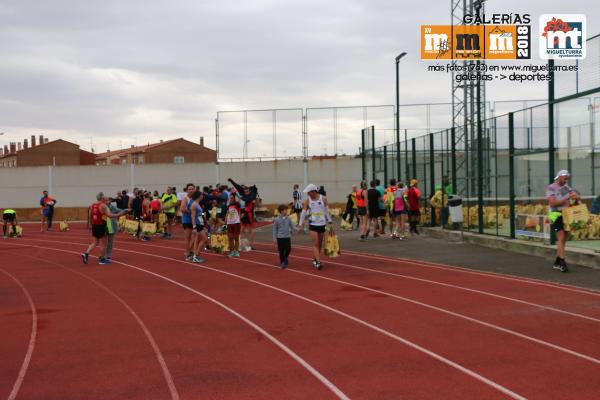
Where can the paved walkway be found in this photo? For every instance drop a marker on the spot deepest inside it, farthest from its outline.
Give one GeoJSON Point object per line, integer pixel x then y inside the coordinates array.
{"type": "Point", "coordinates": [460, 254]}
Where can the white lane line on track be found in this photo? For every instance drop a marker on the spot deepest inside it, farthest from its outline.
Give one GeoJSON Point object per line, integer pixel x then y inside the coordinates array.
{"type": "Point", "coordinates": [165, 369]}
{"type": "Point", "coordinates": [548, 308]}
{"type": "Point", "coordinates": [32, 338]}
{"type": "Point", "coordinates": [429, 264]}
{"type": "Point", "coordinates": [256, 327]}
{"type": "Point", "coordinates": [442, 310]}
{"type": "Point", "coordinates": [512, 299]}
{"type": "Point", "coordinates": [429, 306]}
{"type": "Point", "coordinates": [408, 343]}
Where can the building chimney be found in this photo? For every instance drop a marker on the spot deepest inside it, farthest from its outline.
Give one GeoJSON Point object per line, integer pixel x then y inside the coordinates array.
{"type": "Point", "coordinates": [5, 149]}
{"type": "Point", "coordinates": [32, 140]}
{"type": "Point", "coordinates": [19, 146]}
{"type": "Point", "coordinates": [41, 139]}
{"type": "Point", "coordinates": [13, 147]}
{"type": "Point", "coordinates": [25, 144]}
{"type": "Point", "coordinates": [202, 141]}
{"type": "Point", "coordinates": [46, 140]}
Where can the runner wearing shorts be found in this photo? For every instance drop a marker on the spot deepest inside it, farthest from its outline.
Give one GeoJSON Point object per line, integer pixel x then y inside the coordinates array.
{"type": "Point", "coordinates": [297, 201]}
{"type": "Point", "coordinates": [400, 211]}
{"type": "Point", "coordinates": [316, 208]}
{"type": "Point", "coordinates": [373, 210]}
{"type": "Point", "coordinates": [169, 202]}
{"type": "Point", "coordinates": [560, 196]}
{"type": "Point", "coordinates": [47, 203]}
{"type": "Point", "coordinates": [413, 196]}
{"type": "Point", "coordinates": [98, 215]}
{"type": "Point", "coordinates": [198, 227]}
{"type": "Point", "coordinates": [233, 220]}
{"type": "Point", "coordinates": [9, 217]}
{"type": "Point", "coordinates": [247, 220]}
{"type": "Point", "coordinates": [186, 220]}
{"type": "Point", "coordinates": [361, 205]}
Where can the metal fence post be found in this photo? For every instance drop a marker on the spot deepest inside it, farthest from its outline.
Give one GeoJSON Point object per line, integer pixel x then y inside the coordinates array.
{"type": "Point", "coordinates": [385, 168]}
{"type": "Point", "coordinates": [432, 175]}
{"type": "Point", "coordinates": [363, 155]}
{"type": "Point", "coordinates": [407, 172]}
{"type": "Point", "coordinates": [414, 157]}
{"type": "Point", "coordinates": [453, 156]}
{"type": "Point", "coordinates": [479, 159]}
{"type": "Point", "coordinates": [551, 149]}
{"type": "Point", "coordinates": [374, 153]}
{"type": "Point", "coordinates": [511, 172]}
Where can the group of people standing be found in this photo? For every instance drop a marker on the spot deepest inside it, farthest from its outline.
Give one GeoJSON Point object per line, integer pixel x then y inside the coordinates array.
{"type": "Point", "coordinates": [375, 208]}
{"type": "Point", "coordinates": [200, 211]}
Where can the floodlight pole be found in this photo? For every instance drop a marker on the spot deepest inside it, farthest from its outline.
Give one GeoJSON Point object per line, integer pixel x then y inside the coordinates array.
{"type": "Point", "coordinates": [398, 112]}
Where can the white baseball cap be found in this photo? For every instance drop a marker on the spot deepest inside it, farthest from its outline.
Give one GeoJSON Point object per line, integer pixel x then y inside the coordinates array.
{"type": "Point", "coordinates": [562, 172]}
{"type": "Point", "coordinates": [310, 188]}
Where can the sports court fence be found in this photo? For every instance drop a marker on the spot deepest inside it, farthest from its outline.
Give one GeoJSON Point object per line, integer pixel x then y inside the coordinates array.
{"type": "Point", "coordinates": [501, 168]}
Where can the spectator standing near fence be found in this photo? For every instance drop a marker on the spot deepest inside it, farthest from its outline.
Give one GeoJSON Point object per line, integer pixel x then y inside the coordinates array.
{"type": "Point", "coordinates": [297, 201]}
{"type": "Point", "coordinates": [560, 196]}
{"type": "Point", "coordinates": [413, 196]}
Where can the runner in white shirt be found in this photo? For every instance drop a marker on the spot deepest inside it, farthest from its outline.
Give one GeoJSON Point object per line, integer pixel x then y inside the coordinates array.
{"type": "Point", "coordinates": [316, 207]}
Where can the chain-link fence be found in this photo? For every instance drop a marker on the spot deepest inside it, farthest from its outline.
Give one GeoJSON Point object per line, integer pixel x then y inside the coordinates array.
{"type": "Point", "coordinates": [501, 173]}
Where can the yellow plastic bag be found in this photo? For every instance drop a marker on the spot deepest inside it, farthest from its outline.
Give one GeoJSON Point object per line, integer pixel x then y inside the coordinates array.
{"type": "Point", "coordinates": [131, 226]}
{"type": "Point", "coordinates": [332, 245]}
{"type": "Point", "coordinates": [122, 220]}
{"type": "Point", "coordinates": [345, 225]}
{"type": "Point", "coordinates": [575, 217]}
{"type": "Point", "coordinates": [63, 226]}
{"type": "Point", "coordinates": [294, 218]}
{"type": "Point", "coordinates": [162, 218]}
{"type": "Point", "coordinates": [149, 228]}
{"type": "Point", "coordinates": [219, 242]}
{"type": "Point", "coordinates": [18, 228]}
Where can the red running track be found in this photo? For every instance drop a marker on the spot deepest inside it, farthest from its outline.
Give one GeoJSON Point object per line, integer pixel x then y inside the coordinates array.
{"type": "Point", "coordinates": [151, 325]}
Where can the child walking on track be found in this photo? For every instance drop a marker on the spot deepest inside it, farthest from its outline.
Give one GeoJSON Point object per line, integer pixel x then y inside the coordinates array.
{"type": "Point", "coordinates": [282, 235]}
{"type": "Point", "coordinates": [317, 210]}
{"type": "Point", "coordinates": [233, 220]}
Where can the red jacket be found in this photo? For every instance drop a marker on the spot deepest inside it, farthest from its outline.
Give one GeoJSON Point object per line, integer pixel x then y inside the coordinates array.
{"type": "Point", "coordinates": [413, 195]}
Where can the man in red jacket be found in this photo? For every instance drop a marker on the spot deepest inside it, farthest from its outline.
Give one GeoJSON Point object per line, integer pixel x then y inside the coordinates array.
{"type": "Point", "coordinates": [414, 213]}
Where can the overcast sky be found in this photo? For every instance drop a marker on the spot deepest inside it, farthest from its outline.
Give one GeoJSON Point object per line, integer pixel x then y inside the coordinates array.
{"type": "Point", "coordinates": [116, 73]}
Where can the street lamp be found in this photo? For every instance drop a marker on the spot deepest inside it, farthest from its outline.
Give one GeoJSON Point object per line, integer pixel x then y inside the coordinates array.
{"type": "Point", "coordinates": [398, 112]}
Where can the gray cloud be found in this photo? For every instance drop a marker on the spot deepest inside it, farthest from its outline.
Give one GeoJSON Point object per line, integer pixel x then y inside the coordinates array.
{"type": "Point", "coordinates": [136, 71]}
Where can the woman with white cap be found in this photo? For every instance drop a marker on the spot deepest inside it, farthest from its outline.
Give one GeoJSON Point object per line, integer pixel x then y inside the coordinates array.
{"type": "Point", "coordinates": [560, 196]}
{"type": "Point", "coordinates": [317, 208]}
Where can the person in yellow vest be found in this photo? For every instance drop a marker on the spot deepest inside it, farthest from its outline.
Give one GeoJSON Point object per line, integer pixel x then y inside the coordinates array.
{"type": "Point", "coordinates": [439, 201]}
{"type": "Point", "coordinates": [9, 217]}
{"type": "Point", "coordinates": [169, 204]}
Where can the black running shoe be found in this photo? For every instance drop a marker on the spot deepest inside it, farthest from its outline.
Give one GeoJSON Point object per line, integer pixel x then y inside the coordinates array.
{"type": "Point", "coordinates": [318, 265]}
{"type": "Point", "coordinates": [563, 266]}
{"type": "Point", "coordinates": [85, 257]}
{"type": "Point", "coordinates": [556, 263]}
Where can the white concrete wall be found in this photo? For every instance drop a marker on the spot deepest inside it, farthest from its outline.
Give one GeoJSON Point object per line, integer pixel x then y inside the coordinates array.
{"type": "Point", "coordinates": [76, 186]}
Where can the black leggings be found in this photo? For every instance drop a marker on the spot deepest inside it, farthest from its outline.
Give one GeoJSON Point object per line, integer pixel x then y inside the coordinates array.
{"type": "Point", "coordinates": [284, 245]}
